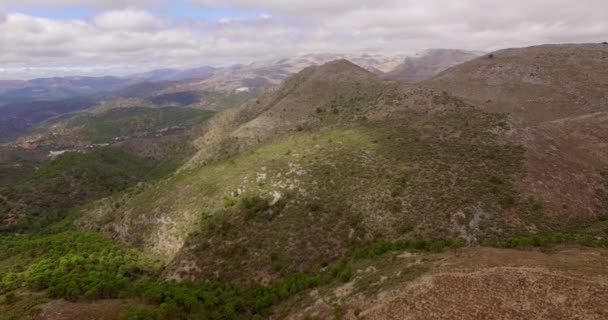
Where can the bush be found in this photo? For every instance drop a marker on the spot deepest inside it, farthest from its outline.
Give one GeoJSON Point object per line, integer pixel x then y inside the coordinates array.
{"type": "Point", "coordinates": [254, 205]}
{"type": "Point", "coordinates": [537, 206]}
{"type": "Point", "coordinates": [548, 239]}
{"type": "Point", "coordinates": [314, 206]}
{"type": "Point", "coordinates": [403, 227]}
{"type": "Point", "coordinates": [9, 298]}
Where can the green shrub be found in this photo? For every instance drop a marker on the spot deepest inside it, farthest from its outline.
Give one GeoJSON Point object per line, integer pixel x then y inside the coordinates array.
{"type": "Point", "coordinates": [403, 227]}
{"type": "Point", "coordinates": [230, 202]}
{"type": "Point", "coordinates": [314, 206]}
{"type": "Point", "coordinates": [537, 206]}
{"type": "Point", "coordinates": [252, 206]}
{"type": "Point", "coordinates": [9, 298]}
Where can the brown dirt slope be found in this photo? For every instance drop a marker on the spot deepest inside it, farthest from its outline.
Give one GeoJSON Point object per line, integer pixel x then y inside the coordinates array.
{"type": "Point", "coordinates": [540, 83]}
{"type": "Point", "coordinates": [480, 283]}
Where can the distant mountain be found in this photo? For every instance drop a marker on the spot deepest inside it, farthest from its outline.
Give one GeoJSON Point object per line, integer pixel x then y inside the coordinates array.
{"type": "Point", "coordinates": [46, 89]}
{"type": "Point", "coordinates": [429, 63]}
{"type": "Point", "coordinates": [19, 118]}
{"type": "Point", "coordinates": [175, 74]}
{"type": "Point", "coordinates": [264, 74]}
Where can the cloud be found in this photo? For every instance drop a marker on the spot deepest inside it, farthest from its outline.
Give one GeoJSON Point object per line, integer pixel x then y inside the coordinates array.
{"type": "Point", "coordinates": [129, 19]}
{"type": "Point", "coordinates": [84, 3]}
{"type": "Point", "coordinates": [124, 40]}
{"type": "Point", "coordinates": [314, 7]}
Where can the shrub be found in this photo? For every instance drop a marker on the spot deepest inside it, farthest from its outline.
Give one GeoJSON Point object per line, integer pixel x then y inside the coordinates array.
{"type": "Point", "coordinates": [230, 202]}
{"type": "Point", "coordinates": [403, 227]}
{"type": "Point", "coordinates": [9, 298]}
{"type": "Point", "coordinates": [254, 205]}
{"type": "Point", "coordinates": [537, 206]}
{"type": "Point", "coordinates": [394, 205]}
{"type": "Point", "coordinates": [314, 206]}
{"type": "Point", "coordinates": [585, 240]}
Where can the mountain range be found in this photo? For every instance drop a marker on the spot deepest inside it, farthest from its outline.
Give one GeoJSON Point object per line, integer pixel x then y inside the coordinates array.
{"type": "Point", "coordinates": [448, 185]}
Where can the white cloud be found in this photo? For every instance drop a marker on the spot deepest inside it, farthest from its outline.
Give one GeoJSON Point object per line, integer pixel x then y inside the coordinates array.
{"type": "Point", "coordinates": [84, 3]}
{"type": "Point", "coordinates": [129, 19]}
{"type": "Point", "coordinates": [309, 7]}
{"type": "Point", "coordinates": [127, 39]}
{"type": "Point", "coordinates": [2, 15]}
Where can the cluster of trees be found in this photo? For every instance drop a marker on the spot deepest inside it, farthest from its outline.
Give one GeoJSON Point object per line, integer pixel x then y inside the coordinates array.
{"type": "Point", "coordinates": [71, 265]}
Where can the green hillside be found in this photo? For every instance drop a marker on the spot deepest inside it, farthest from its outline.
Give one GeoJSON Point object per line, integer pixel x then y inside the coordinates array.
{"type": "Point", "coordinates": [72, 179]}
{"type": "Point", "coordinates": [125, 122]}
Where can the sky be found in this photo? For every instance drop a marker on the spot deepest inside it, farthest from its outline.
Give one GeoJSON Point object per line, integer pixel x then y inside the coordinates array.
{"type": "Point", "coordinates": [42, 38]}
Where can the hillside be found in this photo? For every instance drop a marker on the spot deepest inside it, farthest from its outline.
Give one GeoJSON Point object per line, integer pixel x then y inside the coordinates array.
{"type": "Point", "coordinates": [540, 83]}
{"type": "Point", "coordinates": [557, 97]}
{"type": "Point", "coordinates": [72, 179]}
{"type": "Point", "coordinates": [86, 156]}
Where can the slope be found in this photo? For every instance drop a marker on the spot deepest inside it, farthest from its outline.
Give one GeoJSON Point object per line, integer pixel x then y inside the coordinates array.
{"type": "Point", "coordinates": [556, 95]}
{"type": "Point", "coordinates": [540, 83]}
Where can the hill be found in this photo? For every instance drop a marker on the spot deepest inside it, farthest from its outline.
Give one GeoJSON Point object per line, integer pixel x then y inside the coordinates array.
{"type": "Point", "coordinates": [556, 95]}
{"type": "Point", "coordinates": [540, 83]}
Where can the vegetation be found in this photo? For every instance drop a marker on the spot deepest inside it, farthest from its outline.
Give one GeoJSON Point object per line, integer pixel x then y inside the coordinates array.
{"type": "Point", "coordinates": [126, 122]}
{"type": "Point", "coordinates": [545, 240]}
{"type": "Point", "coordinates": [47, 194]}
{"type": "Point", "coordinates": [76, 265]}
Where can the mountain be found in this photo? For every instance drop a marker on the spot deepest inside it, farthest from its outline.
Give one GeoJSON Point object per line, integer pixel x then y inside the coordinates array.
{"type": "Point", "coordinates": [319, 165]}
{"type": "Point", "coordinates": [46, 89]}
{"type": "Point", "coordinates": [328, 161]}
{"type": "Point", "coordinates": [539, 83]}
{"type": "Point", "coordinates": [336, 193]}
{"type": "Point", "coordinates": [426, 64]}
{"type": "Point", "coordinates": [17, 119]}
{"type": "Point", "coordinates": [160, 75]}
{"type": "Point", "coordinates": [263, 74]}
